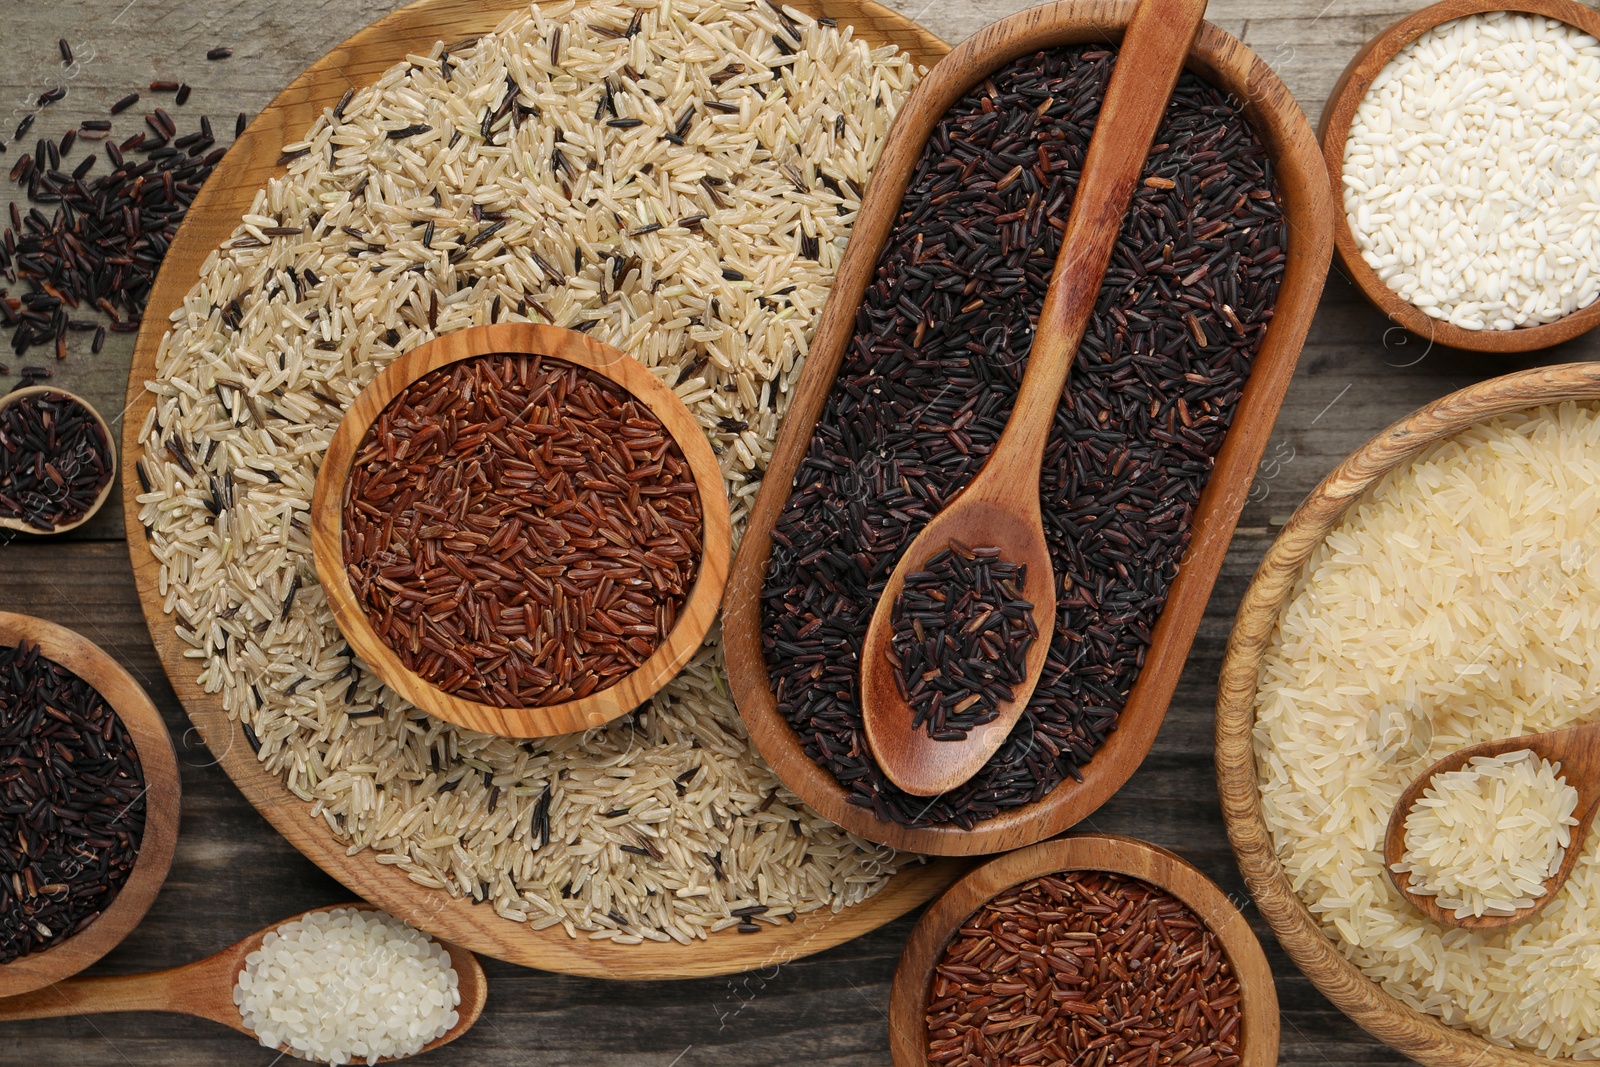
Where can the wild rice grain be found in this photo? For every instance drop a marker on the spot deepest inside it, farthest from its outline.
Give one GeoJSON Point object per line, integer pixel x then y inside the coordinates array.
{"type": "Point", "coordinates": [378, 773]}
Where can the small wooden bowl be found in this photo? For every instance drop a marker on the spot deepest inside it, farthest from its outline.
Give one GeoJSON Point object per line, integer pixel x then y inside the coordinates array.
{"type": "Point", "coordinates": [1334, 130]}
{"type": "Point", "coordinates": [1422, 1037]}
{"type": "Point", "coordinates": [111, 458]}
{"type": "Point", "coordinates": [1272, 112]}
{"type": "Point", "coordinates": [908, 1002]}
{"type": "Point", "coordinates": [699, 610]}
{"type": "Point", "coordinates": [150, 739]}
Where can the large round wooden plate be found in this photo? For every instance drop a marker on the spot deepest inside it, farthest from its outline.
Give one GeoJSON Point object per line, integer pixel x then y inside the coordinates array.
{"type": "Point", "coordinates": [210, 221]}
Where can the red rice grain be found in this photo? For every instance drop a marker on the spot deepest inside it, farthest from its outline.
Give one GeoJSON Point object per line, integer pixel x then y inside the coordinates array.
{"type": "Point", "coordinates": [1084, 967]}
{"type": "Point", "coordinates": [520, 531]}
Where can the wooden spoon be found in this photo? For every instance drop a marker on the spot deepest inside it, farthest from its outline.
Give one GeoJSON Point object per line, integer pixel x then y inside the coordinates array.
{"type": "Point", "coordinates": [1577, 750]}
{"type": "Point", "coordinates": [111, 459]}
{"type": "Point", "coordinates": [1000, 506]}
{"type": "Point", "coordinates": [204, 989]}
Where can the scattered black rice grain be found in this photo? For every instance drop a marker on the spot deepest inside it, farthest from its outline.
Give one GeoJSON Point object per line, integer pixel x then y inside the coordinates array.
{"type": "Point", "coordinates": [183, 94]}
{"type": "Point", "coordinates": [125, 103]}
{"type": "Point", "coordinates": [66, 52]}
{"type": "Point", "coordinates": [239, 124]}
{"type": "Point", "coordinates": [163, 87]}
{"type": "Point", "coordinates": [72, 806]}
{"type": "Point", "coordinates": [107, 237]}
{"type": "Point", "coordinates": [219, 53]}
{"type": "Point", "coordinates": [928, 382]}
{"type": "Point", "coordinates": [50, 96]}
{"type": "Point", "coordinates": [960, 634]}
{"type": "Point", "coordinates": [54, 458]}
{"type": "Point", "coordinates": [23, 127]}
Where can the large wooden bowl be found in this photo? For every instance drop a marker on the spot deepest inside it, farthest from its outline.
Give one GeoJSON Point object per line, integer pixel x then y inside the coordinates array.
{"type": "Point", "coordinates": [226, 195]}
{"type": "Point", "coordinates": [1334, 130]}
{"type": "Point", "coordinates": [1420, 1036]}
{"type": "Point", "coordinates": [699, 610]}
{"type": "Point", "coordinates": [1221, 60]}
{"type": "Point", "coordinates": [160, 765]}
{"type": "Point", "coordinates": [913, 979]}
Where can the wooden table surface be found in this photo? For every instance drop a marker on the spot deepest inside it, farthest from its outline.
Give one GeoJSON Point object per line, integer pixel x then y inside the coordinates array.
{"type": "Point", "coordinates": [233, 874]}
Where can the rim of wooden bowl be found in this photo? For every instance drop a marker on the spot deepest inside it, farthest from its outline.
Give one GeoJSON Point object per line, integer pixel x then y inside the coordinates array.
{"type": "Point", "coordinates": [1112, 853]}
{"type": "Point", "coordinates": [1334, 130]}
{"type": "Point", "coordinates": [1225, 62]}
{"type": "Point", "coordinates": [17, 394]}
{"type": "Point", "coordinates": [1423, 1037]}
{"type": "Point", "coordinates": [699, 609]}
{"type": "Point", "coordinates": [159, 763]}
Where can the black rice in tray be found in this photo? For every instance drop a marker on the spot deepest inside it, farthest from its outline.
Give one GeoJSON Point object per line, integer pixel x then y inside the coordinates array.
{"type": "Point", "coordinates": [928, 382]}
{"type": "Point", "coordinates": [71, 802]}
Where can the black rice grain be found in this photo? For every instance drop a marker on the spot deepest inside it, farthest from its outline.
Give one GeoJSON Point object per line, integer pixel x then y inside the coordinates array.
{"type": "Point", "coordinates": [72, 806]}
{"type": "Point", "coordinates": [928, 381]}
{"type": "Point", "coordinates": [54, 458]}
{"type": "Point", "coordinates": [106, 239]}
{"type": "Point", "coordinates": [960, 634]}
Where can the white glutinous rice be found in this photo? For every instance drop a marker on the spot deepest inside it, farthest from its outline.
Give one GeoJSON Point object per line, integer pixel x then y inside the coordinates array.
{"type": "Point", "coordinates": [567, 168]}
{"type": "Point", "coordinates": [1485, 839]}
{"type": "Point", "coordinates": [348, 985]}
{"type": "Point", "coordinates": [1470, 172]}
{"type": "Point", "coordinates": [1456, 601]}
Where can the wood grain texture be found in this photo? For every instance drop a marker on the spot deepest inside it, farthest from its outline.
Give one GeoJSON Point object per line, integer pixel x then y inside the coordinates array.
{"type": "Point", "coordinates": [908, 1005]}
{"type": "Point", "coordinates": [1334, 131]}
{"type": "Point", "coordinates": [695, 617]}
{"type": "Point", "coordinates": [1423, 1037]}
{"type": "Point", "coordinates": [1278, 121]}
{"type": "Point", "coordinates": [204, 989]}
{"type": "Point", "coordinates": [111, 448]}
{"type": "Point", "coordinates": [1576, 750]}
{"type": "Point", "coordinates": [990, 511]}
{"type": "Point", "coordinates": [211, 220]}
{"type": "Point", "coordinates": [160, 767]}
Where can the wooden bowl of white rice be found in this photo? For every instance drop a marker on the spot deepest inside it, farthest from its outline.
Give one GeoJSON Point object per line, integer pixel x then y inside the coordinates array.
{"type": "Point", "coordinates": [1460, 144]}
{"type": "Point", "coordinates": [1440, 587]}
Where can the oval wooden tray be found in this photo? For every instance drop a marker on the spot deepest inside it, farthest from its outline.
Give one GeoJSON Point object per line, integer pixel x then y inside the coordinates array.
{"type": "Point", "coordinates": [908, 1003]}
{"type": "Point", "coordinates": [1422, 1037]}
{"type": "Point", "coordinates": [1223, 61]}
{"type": "Point", "coordinates": [159, 762]}
{"type": "Point", "coordinates": [210, 221]}
{"type": "Point", "coordinates": [1334, 130]}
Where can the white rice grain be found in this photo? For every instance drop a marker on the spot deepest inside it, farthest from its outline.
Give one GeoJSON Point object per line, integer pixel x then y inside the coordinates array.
{"type": "Point", "coordinates": [1457, 601]}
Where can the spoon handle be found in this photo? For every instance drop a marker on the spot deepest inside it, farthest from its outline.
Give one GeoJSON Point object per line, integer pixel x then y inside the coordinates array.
{"type": "Point", "coordinates": [1157, 39]}
{"type": "Point", "coordinates": [87, 996]}
{"type": "Point", "coordinates": [192, 989]}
